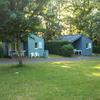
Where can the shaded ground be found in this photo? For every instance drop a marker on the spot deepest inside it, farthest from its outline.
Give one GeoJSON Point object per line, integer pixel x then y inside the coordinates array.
{"type": "Point", "coordinates": [26, 60]}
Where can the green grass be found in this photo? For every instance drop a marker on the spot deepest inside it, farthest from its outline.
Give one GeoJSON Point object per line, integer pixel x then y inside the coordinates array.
{"type": "Point", "coordinates": [78, 80]}
{"type": "Point", "coordinates": [55, 56]}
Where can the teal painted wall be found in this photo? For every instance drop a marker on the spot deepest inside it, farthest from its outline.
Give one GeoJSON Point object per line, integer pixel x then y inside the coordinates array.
{"type": "Point", "coordinates": [32, 39]}
{"type": "Point", "coordinates": [86, 51]}
{"type": "Point", "coordinates": [80, 44]}
{"type": "Point", "coordinates": [29, 46]}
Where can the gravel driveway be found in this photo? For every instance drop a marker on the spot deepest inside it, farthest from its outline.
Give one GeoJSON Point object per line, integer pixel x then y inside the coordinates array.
{"type": "Point", "coordinates": [13, 61]}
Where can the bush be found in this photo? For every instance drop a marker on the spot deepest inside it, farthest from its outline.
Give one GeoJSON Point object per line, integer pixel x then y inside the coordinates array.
{"type": "Point", "coordinates": [55, 46]}
{"type": "Point", "coordinates": [96, 49]}
{"type": "Point", "coordinates": [1, 52]}
{"type": "Point", "coordinates": [59, 48]}
{"type": "Point", "coordinates": [67, 50]}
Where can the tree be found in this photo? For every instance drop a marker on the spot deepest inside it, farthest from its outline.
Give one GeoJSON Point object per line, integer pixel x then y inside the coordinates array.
{"type": "Point", "coordinates": [87, 18]}
{"type": "Point", "coordinates": [52, 22]}
{"type": "Point", "coordinates": [18, 18]}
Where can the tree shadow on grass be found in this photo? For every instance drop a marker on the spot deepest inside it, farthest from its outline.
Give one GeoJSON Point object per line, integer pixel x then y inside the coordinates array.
{"type": "Point", "coordinates": [6, 69]}
{"type": "Point", "coordinates": [62, 79]}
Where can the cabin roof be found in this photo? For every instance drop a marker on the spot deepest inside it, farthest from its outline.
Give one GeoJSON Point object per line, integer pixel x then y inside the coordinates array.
{"type": "Point", "coordinates": [70, 38]}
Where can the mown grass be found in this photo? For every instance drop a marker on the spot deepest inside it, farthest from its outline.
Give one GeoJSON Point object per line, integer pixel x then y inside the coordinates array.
{"type": "Point", "coordinates": [79, 80]}
{"type": "Point", "coordinates": [55, 56]}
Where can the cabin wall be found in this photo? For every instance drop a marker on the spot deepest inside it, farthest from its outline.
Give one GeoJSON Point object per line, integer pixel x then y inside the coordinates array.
{"type": "Point", "coordinates": [28, 46]}
{"type": "Point", "coordinates": [6, 47]}
{"type": "Point", "coordinates": [31, 45]}
{"type": "Point", "coordinates": [85, 50]}
{"type": "Point", "coordinates": [78, 44]}
{"type": "Point", "coordinates": [25, 47]}
{"type": "Point", "coordinates": [81, 44]}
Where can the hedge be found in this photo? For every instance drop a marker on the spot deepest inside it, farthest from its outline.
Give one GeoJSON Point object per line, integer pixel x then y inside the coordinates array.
{"type": "Point", "coordinates": [56, 47]}
{"type": "Point", "coordinates": [96, 49]}
{"type": "Point", "coordinates": [1, 52]}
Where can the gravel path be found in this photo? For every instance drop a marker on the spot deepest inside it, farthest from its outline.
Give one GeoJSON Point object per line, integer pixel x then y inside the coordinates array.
{"type": "Point", "coordinates": [13, 61]}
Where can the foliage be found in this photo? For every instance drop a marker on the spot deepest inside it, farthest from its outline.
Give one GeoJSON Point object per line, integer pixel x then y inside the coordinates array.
{"type": "Point", "coordinates": [74, 16]}
{"type": "Point", "coordinates": [54, 46]}
{"type": "Point", "coordinates": [67, 50]}
{"type": "Point", "coordinates": [53, 18]}
{"type": "Point", "coordinates": [96, 49]}
{"type": "Point", "coordinates": [1, 52]}
{"type": "Point", "coordinates": [59, 48]}
{"type": "Point", "coordinates": [18, 18]}
{"type": "Point", "coordinates": [52, 24]}
{"type": "Point", "coordinates": [87, 18]}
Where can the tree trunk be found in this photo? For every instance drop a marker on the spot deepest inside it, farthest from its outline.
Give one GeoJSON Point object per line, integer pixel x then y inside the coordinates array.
{"type": "Point", "coordinates": [18, 43]}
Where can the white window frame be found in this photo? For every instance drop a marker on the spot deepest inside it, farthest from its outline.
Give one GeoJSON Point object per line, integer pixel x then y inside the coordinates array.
{"type": "Point", "coordinates": [89, 45]}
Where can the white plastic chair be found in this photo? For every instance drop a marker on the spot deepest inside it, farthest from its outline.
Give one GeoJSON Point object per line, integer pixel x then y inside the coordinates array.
{"type": "Point", "coordinates": [32, 54]}
{"type": "Point", "coordinates": [37, 54]}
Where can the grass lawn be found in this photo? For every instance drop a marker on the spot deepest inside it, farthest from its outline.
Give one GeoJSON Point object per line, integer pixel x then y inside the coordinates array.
{"type": "Point", "coordinates": [79, 80]}
{"type": "Point", "coordinates": [55, 56]}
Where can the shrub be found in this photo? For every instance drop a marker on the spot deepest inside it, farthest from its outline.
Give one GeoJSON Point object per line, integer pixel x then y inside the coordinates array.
{"type": "Point", "coordinates": [55, 46]}
{"type": "Point", "coordinates": [1, 52]}
{"type": "Point", "coordinates": [67, 50]}
{"type": "Point", "coordinates": [96, 49]}
{"type": "Point", "coordinates": [59, 48]}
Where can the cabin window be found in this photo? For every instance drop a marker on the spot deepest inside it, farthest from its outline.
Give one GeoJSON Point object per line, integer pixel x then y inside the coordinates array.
{"type": "Point", "coordinates": [36, 45]}
{"type": "Point", "coordinates": [88, 45]}
{"type": "Point", "coordinates": [40, 44]}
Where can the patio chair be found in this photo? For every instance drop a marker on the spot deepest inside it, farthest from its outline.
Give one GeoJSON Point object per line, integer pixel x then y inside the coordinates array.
{"type": "Point", "coordinates": [79, 52]}
{"type": "Point", "coordinates": [32, 54]}
{"type": "Point", "coordinates": [37, 54]}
